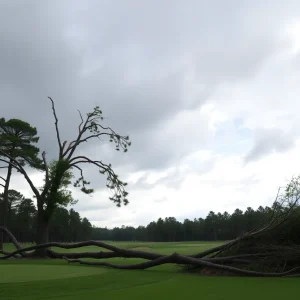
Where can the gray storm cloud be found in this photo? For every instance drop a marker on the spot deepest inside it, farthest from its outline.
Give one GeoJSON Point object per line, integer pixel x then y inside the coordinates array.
{"type": "Point", "coordinates": [144, 63]}
{"type": "Point", "coordinates": [131, 59]}
{"type": "Point", "coordinates": [268, 141]}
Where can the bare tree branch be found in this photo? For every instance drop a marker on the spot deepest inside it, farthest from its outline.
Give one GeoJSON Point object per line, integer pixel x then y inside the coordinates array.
{"type": "Point", "coordinates": [14, 165]}
{"type": "Point", "coordinates": [19, 167]}
{"type": "Point", "coordinates": [56, 127]}
{"type": "Point", "coordinates": [84, 159]}
{"type": "Point", "coordinates": [13, 239]}
{"type": "Point", "coordinates": [64, 145]}
{"type": "Point", "coordinates": [106, 169]}
{"type": "Point", "coordinates": [73, 144]}
{"type": "Point", "coordinates": [79, 127]}
{"type": "Point", "coordinates": [113, 182]}
{"type": "Point", "coordinates": [80, 170]}
{"type": "Point", "coordinates": [92, 124]}
{"type": "Point", "coordinates": [76, 143]}
{"type": "Point", "coordinates": [46, 167]}
{"type": "Point", "coordinates": [6, 253]}
{"type": "Point", "coordinates": [182, 259]}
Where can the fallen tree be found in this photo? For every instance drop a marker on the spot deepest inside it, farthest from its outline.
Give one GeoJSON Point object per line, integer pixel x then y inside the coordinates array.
{"type": "Point", "coordinates": [271, 250]}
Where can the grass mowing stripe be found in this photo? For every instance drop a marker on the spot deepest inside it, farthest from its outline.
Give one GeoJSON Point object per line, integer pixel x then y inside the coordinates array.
{"type": "Point", "coordinates": [25, 273]}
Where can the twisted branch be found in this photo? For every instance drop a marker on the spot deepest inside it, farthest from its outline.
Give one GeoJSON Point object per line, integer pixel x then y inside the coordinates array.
{"type": "Point", "coordinates": [182, 259]}
{"type": "Point", "coordinates": [13, 240]}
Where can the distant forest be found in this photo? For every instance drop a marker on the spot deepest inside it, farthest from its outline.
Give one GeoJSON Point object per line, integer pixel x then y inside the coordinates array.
{"type": "Point", "coordinates": [69, 226]}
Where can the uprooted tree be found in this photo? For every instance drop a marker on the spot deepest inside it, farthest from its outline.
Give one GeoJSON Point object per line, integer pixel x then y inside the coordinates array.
{"type": "Point", "coordinates": [58, 174]}
{"type": "Point", "coordinates": [271, 250]}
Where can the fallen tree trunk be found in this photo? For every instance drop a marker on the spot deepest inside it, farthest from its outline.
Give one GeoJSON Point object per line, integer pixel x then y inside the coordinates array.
{"type": "Point", "coordinates": [271, 250]}
{"type": "Point", "coordinates": [114, 252]}
{"type": "Point", "coordinates": [181, 259]}
{"type": "Point", "coordinates": [155, 259]}
{"type": "Point", "coordinates": [13, 240]}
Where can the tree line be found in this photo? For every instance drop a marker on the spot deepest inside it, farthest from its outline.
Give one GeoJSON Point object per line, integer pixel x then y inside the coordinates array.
{"type": "Point", "coordinates": [214, 227]}
{"type": "Point", "coordinates": [69, 226]}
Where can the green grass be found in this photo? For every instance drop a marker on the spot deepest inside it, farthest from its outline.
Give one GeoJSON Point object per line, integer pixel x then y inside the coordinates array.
{"type": "Point", "coordinates": [36, 272]}
{"type": "Point", "coordinates": [55, 279]}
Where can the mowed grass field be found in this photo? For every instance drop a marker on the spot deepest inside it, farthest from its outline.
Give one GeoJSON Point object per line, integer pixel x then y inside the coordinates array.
{"type": "Point", "coordinates": [56, 279]}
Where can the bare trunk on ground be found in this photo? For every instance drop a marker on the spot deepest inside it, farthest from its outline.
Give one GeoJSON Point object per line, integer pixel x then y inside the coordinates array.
{"type": "Point", "coordinates": [268, 251]}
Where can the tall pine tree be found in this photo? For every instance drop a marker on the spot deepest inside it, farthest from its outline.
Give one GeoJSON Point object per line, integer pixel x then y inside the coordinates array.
{"type": "Point", "coordinates": [17, 139]}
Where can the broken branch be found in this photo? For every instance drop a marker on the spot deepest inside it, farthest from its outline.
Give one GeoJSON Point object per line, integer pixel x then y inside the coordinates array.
{"type": "Point", "coordinates": [56, 126]}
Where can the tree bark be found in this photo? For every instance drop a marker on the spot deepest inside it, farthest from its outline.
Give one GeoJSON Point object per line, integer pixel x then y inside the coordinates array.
{"type": "Point", "coordinates": [5, 195]}
{"type": "Point", "coordinates": [1, 224]}
{"type": "Point", "coordinates": [5, 204]}
{"type": "Point", "coordinates": [42, 235]}
{"type": "Point", "coordinates": [12, 238]}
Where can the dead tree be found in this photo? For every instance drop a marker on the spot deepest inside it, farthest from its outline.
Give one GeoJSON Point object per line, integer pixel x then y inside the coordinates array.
{"type": "Point", "coordinates": [49, 196]}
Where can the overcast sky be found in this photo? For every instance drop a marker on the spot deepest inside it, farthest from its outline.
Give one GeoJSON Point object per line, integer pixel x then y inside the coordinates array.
{"type": "Point", "coordinates": [208, 92]}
